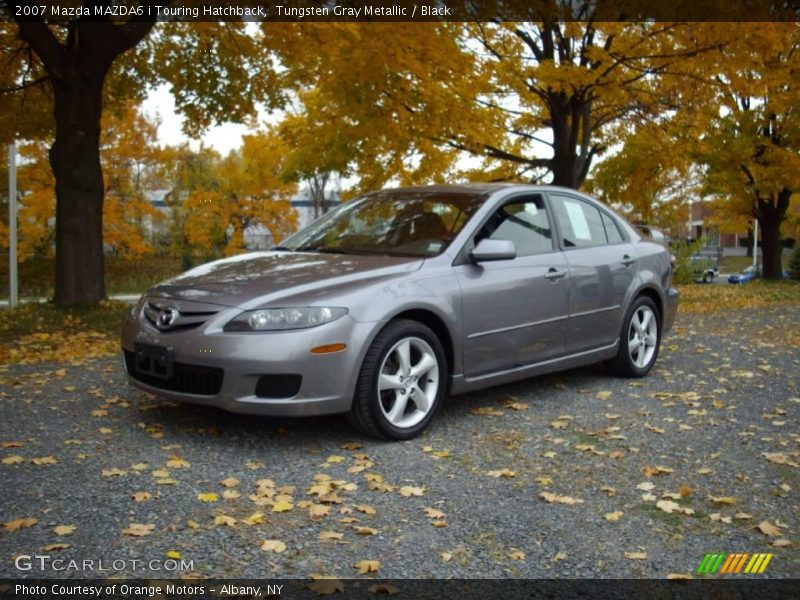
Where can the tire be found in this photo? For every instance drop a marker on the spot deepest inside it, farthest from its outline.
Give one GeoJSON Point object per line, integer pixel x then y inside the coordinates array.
{"type": "Point", "coordinates": [637, 354]}
{"type": "Point", "coordinates": [391, 401]}
{"type": "Point", "coordinates": [708, 278]}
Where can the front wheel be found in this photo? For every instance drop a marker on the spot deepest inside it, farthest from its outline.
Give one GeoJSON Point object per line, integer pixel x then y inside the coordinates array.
{"type": "Point", "coordinates": [402, 382]}
{"type": "Point", "coordinates": [639, 341]}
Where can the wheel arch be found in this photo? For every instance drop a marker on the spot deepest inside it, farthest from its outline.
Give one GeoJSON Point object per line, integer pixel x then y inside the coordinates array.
{"type": "Point", "coordinates": [651, 292]}
{"type": "Point", "coordinates": [436, 324]}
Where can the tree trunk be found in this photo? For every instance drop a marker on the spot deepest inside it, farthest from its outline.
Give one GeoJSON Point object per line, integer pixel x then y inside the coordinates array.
{"type": "Point", "coordinates": [75, 159]}
{"type": "Point", "coordinates": [771, 212]}
{"type": "Point", "coordinates": [77, 65]}
{"type": "Point", "coordinates": [567, 117]}
{"type": "Point", "coordinates": [749, 242]}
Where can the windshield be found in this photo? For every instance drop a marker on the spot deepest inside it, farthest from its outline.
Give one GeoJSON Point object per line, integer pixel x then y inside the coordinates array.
{"type": "Point", "coordinates": [394, 223]}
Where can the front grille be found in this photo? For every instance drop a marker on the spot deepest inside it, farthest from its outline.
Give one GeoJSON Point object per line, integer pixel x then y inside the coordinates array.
{"type": "Point", "coordinates": [186, 379]}
{"type": "Point", "coordinates": [180, 314]}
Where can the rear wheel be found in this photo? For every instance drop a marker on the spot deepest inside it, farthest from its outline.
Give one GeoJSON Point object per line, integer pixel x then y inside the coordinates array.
{"type": "Point", "coordinates": [402, 382]}
{"type": "Point", "coordinates": [640, 340]}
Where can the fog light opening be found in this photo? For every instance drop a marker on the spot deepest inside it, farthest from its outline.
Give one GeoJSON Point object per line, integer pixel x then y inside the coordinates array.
{"type": "Point", "coordinates": [329, 349]}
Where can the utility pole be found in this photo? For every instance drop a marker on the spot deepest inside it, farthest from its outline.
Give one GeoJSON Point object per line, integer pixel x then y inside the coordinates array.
{"type": "Point", "coordinates": [13, 296]}
{"type": "Point", "coordinates": [755, 244]}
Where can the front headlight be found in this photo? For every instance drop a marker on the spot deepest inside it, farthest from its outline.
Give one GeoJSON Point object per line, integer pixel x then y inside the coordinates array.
{"type": "Point", "coordinates": [279, 319]}
{"type": "Point", "coordinates": [137, 309]}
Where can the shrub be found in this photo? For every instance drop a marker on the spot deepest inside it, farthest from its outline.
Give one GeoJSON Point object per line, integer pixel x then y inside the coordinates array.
{"type": "Point", "coordinates": [794, 263]}
{"type": "Point", "coordinates": [683, 252]}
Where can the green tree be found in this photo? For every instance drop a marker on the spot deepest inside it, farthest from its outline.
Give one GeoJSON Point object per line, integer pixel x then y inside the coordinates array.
{"type": "Point", "coordinates": [752, 149]}
{"type": "Point", "coordinates": [536, 100]}
{"type": "Point", "coordinates": [215, 70]}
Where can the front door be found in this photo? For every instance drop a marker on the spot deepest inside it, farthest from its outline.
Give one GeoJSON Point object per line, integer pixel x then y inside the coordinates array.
{"type": "Point", "coordinates": [514, 311]}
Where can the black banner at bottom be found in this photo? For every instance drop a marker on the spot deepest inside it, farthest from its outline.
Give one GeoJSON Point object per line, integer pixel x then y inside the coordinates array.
{"type": "Point", "coordinates": [433, 589]}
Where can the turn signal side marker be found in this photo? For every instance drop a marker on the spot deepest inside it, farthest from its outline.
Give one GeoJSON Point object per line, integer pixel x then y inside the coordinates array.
{"type": "Point", "coordinates": [329, 348]}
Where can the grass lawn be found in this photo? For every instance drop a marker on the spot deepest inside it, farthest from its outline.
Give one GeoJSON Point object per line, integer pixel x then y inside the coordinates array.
{"type": "Point", "coordinates": [697, 298]}
{"type": "Point", "coordinates": [36, 275]}
{"type": "Point", "coordinates": [737, 264]}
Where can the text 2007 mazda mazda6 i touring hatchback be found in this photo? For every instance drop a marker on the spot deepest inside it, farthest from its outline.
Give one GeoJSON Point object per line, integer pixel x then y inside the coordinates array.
{"type": "Point", "coordinates": [391, 302]}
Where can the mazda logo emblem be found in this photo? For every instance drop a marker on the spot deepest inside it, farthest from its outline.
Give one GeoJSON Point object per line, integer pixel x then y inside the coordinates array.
{"type": "Point", "coordinates": [167, 317]}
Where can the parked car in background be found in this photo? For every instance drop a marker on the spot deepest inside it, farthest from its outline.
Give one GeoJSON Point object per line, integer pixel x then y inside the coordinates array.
{"type": "Point", "coordinates": [649, 232]}
{"type": "Point", "coordinates": [751, 273]}
{"type": "Point", "coordinates": [704, 269]}
{"type": "Point", "coordinates": [395, 300]}
{"type": "Point", "coordinates": [746, 275]}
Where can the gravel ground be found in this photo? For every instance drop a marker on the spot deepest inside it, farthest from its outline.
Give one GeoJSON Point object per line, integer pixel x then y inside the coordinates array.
{"type": "Point", "coordinates": [725, 393]}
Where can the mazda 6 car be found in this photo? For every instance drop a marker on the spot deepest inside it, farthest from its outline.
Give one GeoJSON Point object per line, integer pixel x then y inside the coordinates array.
{"type": "Point", "coordinates": [394, 301]}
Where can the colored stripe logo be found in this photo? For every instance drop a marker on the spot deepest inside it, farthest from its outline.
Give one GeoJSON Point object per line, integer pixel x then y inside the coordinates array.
{"type": "Point", "coordinates": [733, 564]}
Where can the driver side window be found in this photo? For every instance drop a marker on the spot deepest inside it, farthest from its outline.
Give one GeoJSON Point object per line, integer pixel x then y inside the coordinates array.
{"type": "Point", "coordinates": [524, 222]}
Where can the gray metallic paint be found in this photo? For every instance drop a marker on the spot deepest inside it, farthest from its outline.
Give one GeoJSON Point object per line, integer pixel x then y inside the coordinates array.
{"type": "Point", "coordinates": [495, 337]}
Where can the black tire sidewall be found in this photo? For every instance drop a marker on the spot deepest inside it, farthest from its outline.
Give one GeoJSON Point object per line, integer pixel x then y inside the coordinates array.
{"type": "Point", "coordinates": [387, 339]}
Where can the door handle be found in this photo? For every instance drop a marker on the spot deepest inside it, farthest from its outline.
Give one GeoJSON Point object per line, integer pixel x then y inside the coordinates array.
{"type": "Point", "coordinates": [555, 274]}
{"type": "Point", "coordinates": [627, 260]}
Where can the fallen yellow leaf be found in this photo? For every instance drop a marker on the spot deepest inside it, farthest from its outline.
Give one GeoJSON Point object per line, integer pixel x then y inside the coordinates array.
{"type": "Point", "coordinates": [668, 506]}
{"type": "Point", "coordinates": [318, 510]}
{"type": "Point", "coordinates": [177, 462]}
{"type": "Point", "coordinates": [225, 520]}
{"type": "Point", "coordinates": [367, 566]}
{"type": "Point", "coordinates": [409, 490]}
{"type": "Point", "coordinates": [64, 529]}
{"type": "Point", "coordinates": [138, 529]}
{"type": "Point", "coordinates": [726, 500]}
{"type": "Point", "coordinates": [768, 528]}
{"type": "Point", "coordinates": [282, 506]}
{"type": "Point", "coordinates": [366, 531]}
{"type": "Point", "coordinates": [548, 497]}
{"type": "Point", "coordinates": [19, 524]}
{"type": "Point", "coordinates": [273, 546]}
{"type": "Point", "coordinates": [506, 473]}
{"type": "Point", "coordinates": [486, 411]}
{"type": "Point", "coordinates": [55, 547]}
{"type": "Point", "coordinates": [326, 585]}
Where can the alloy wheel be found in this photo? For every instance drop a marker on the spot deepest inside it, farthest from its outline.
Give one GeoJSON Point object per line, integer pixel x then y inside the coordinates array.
{"type": "Point", "coordinates": [408, 382]}
{"type": "Point", "coordinates": [642, 336]}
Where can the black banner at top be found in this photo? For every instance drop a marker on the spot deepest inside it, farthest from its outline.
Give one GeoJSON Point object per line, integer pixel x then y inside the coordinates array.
{"type": "Point", "coordinates": [298, 11]}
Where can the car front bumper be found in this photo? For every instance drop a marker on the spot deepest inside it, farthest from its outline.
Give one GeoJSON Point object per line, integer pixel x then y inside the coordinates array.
{"type": "Point", "coordinates": [327, 381]}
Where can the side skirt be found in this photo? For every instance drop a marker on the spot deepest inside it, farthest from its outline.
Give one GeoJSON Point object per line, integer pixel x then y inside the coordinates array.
{"type": "Point", "coordinates": [461, 384]}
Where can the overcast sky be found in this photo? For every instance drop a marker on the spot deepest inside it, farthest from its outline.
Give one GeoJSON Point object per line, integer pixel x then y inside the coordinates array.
{"type": "Point", "coordinates": [222, 138]}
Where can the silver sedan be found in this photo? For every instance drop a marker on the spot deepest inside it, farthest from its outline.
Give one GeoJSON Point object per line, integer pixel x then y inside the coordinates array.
{"type": "Point", "coordinates": [393, 301]}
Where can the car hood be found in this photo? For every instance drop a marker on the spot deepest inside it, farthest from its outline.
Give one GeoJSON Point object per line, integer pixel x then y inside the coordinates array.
{"type": "Point", "coordinates": [268, 276]}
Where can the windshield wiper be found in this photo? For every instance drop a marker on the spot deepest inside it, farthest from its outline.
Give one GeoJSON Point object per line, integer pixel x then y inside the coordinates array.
{"type": "Point", "coordinates": [329, 250]}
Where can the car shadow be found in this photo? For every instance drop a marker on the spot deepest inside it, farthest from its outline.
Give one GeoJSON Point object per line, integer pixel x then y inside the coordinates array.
{"type": "Point", "coordinates": [190, 421]}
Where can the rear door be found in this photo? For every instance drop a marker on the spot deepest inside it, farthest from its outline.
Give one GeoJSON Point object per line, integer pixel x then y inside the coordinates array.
{"type": "Point", "coordinates": [514, 311]}
{"type": "Point", "coordinates": [602, 266]}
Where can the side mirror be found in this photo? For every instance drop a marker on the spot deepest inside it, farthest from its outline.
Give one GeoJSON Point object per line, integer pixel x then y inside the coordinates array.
{"type": "Point", "coordinates": [488, 250]}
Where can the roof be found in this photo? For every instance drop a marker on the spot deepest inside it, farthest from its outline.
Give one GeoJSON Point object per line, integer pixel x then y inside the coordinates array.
{"type": "Point", "coordinates": [478, 188]}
